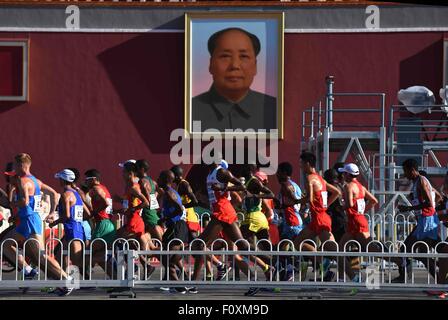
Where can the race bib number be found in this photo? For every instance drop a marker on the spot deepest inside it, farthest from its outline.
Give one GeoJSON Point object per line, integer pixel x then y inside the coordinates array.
{"type": "Point", "coordinates": [79, 210]}
{"type": "Point", "coordinates": [37, 203]}
{"type": "Point", "coordinates": [153, 203]}
{"type": "Point", "coordinates": [361, 205]}
{"type": "Point", "coordinates": [125, 204]}
{"type": "Point", "coordinates": [109, 206]}
{"type": "Point", "coordinates": [324, 199]}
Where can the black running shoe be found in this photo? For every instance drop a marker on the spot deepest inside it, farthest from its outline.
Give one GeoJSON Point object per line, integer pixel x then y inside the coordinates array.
{"type": "Point", "coordinates": [181, 290]}
{"type": "Point", "coordinates": [252, 292]}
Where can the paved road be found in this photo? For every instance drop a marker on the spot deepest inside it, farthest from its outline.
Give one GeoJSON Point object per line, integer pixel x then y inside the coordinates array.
{"type": "Point", "coordinates": [223, 294]}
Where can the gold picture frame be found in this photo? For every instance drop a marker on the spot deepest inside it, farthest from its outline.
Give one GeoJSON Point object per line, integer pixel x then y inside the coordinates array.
{"type": "Point", "coordinates": [237, 18]}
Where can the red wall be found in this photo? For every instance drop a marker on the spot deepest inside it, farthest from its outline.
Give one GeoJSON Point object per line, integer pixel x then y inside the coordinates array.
{"type": "Point", "coordinates": [98, 99]}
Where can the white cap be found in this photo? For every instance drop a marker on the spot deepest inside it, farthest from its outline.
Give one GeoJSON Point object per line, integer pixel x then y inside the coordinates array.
{"type": "Point", "coordinates": [224, 164]}
{"type": "Point", "coordinates": [121, 164]}
{"type": "Point", "coordinates": [350, 168]}
{"type": "Point", "coordinates": [66, 175]}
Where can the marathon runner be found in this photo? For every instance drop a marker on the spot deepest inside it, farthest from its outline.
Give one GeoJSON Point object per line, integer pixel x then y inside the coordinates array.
{"type": "Point", "coordinates": [255, 225]}
{"type": "Point", "coordinates": [28, 200]}
{"type": "Point", "coordinates": [189, 201]}
{"type": "Point", "coordinates": [174, 216]}
{"type": "Point", "coordinates": [224, 216]}
{"type": "Point", "coordinates": [72, 212]}
{"type": "Point", "coordinates": [316, 198]}
{"type": "Point", "coordinates": [355, 196]}
{"type": "Point", "coordinates": [422, 204]}
{"type": "Point", "coordinates": [149, 189]}
{"type": "Point", "coordinates": [85, 223]}
{"type": "Point", "coordinates": [101, 210]}
{"type": "Point", "coordinates": [132, 205]}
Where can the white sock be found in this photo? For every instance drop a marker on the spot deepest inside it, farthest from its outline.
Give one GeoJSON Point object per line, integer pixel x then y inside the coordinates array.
{"type": "Point", "coordinates": [28, 269]}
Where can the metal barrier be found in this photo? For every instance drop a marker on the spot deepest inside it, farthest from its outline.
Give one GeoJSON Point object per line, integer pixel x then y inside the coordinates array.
{"type": "Point", "coordinates": [126, 257]}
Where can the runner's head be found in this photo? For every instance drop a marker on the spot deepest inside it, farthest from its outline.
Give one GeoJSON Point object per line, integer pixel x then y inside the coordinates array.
{"type": "Point", "coordinates": [66, 177]}
{"type": "Point", "coordinates": [308, 162]}
{"type": "Point", "coordinates": [22, 163]}
{"type": "Point", "coordinates": [129, 171]}
{"type": "Point", "coordinates": [331, 176]}
{"type": "Point", "coordinates": [178, 173]}
{"type": "Point", "coordinates": [248, 170]}
{"type": "Point", "coordinates": [340, 175]}
{"type": "Point", "coordinates": [350, 171]}
{"type": "Point", "coordinates": [166, 178]}
{"type": "Point", "coordinates": [77, 175]}
{"type": "Point", "coordinates": [410, 168]}
{"type": "Point", "coordinates": [142, 167]}
{"type": "Point", "coordinates": [284, 171]}
{"type": "Point", "coordinates": [92, 177]}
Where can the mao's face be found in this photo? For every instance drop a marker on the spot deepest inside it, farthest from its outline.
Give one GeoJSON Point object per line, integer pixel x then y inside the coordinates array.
{"type": "Point", "coordinates": [233, 63]}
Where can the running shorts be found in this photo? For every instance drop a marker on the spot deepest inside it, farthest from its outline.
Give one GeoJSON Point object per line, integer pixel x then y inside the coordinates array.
{"type": "Point", "coordinates": [29, 225]}
{"type": "Point", "coordinates": [105, 230]}
{"type": "Point", "coordinates": [224, 211]}
{"type": "Point", "coordinates": [319, 223]}
{"type": "Point", "coordinates": [256, 221]}
{"type": "Point", "coordinates": [177, 230]}
{"type": "Point", "coordinates": [357, 224]}
{"type": "Point", "coordinates": [136, 225]}
{"type": "Point", "coordinates": [150, 217]}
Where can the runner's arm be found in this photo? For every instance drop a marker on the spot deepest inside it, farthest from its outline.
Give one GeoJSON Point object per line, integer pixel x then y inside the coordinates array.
{"type": "Point", "coordinates": [53, 195]}
{"type": "Point", "coordinates": [87, 214]}
{"type": "Point", "coordinates": [372, 200]}
{"type": "Point", "coordinates": [335, 193]}
{"type": "Point", "coordinates": [22, 194]}
{"type": "Point", "coordinates": [144, 202]}
{"type": "Point", "coordinates": [309, 192]}
{"type": "Point", "coordinates": [348, 197]}
{"type": "Point", "coordinates": [144, 187]}
{"type": "Point", "coordinates": [262, 191]}
{"type": "Point", "coordinates": [290, 198]}
{"type": "Point", "coordinates": [423, 189]}
{"type": "Point", "coordinates": [99, 194]}
{"type": "Point", "coordinates": [65, 201]}
{"type": "Point", "coordinates": [185, 189]}
{"type": "Point", "coordinates": [225, 176]}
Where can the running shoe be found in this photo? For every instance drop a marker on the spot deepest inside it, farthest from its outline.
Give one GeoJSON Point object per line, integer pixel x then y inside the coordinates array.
{"type": "Point", "coordinates": [193, 290]}
{"type": "Point", "coordinates": [181, 290]}
{"type": "Point", "coordinates": [166, 289]}
{"type": "Point", "coordinates": [223, 270]}
{"type": "Point", "coordinates": [63, 292]}
{"type": "Point", "coordinates": [252, 292]}
{"type": "Point", "coordinates": [31, 275]}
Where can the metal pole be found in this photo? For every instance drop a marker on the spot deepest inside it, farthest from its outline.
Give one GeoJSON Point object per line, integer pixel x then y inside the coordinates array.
{"type": "Point", "coordinates": [330, 99]}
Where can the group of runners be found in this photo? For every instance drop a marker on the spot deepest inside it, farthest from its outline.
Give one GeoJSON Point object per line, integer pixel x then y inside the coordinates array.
{"type": "Point", "coordinates": [331, 210]}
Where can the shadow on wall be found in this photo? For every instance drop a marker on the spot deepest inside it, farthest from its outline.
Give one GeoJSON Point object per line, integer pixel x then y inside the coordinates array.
{"type": "Point", "coordinates": [424, 68]}
{"type": "Point", "coordinates": [145, 72]}
{"type": "Point", "coordinates": [5, 106]}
